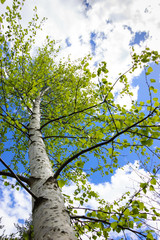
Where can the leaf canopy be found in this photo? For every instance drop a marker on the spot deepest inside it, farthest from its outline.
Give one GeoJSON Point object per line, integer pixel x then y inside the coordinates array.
{"type": "Point", "coordinates": [82, 123]}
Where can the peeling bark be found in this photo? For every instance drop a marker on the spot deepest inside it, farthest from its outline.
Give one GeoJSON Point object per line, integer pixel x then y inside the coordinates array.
{"type": "Point", "coordinates": [50, 218]}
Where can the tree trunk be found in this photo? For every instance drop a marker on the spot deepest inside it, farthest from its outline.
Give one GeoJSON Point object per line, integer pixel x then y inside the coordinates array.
{"type": "Point", "coordinates": [50, 218]}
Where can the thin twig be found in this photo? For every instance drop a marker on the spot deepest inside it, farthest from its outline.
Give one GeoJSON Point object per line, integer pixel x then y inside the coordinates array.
{"type": "Point", "coordinates": [18, 180]}
{"type": "Point", "coordinates": [59, 118]}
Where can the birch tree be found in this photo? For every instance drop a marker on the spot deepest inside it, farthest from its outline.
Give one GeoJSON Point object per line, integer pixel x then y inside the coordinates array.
{"type": "Point", "coordinates": [58, 117]}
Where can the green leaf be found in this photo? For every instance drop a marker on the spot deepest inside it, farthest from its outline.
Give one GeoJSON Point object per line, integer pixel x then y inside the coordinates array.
{"type": "Point", "coordinates": [115, 217]}
{"type": "Point", "coordinates": [151, 188]}
{"type": "Point", "coordinates": [104, 80]}
{"type": "Point", "coordinates": [141, 103]}
{"type": "Point", "coordinates": [141, 205]}
{"type": "Point", "coordinates": [4, 177]}
{"type": "Point", "coordinates": [94, 237]}
{"type": "Point", "coordinates": [150, 69]}
{"type": "Point", "coordinates": [154, 171]}
{"type": "Point", "coordinates": [148, 142]}
{"type": "Point", "coordinates": [93, 75]}
{"type": "Point", "coordinates": [99, 72]}
{"type": "Point", "coordinates": [150, 236]}
{"type": "Point", "coordinates": [131, 224]}
{"type": "Point", "coordinates": [79, 164]}
{"type": "Point", "coordinates": [143, 185]}
{"type": "Point", "coordinates": [155, 90]}
{"type": "Point", "coordinates": [3, 1]}
{"type": "Point", "coordinates": [118, 124]}
{"type": "Point", "coordinates": [152, 80]}
{"type": "Point", "coordinates": [109, 95]}
{"type": "Point", "coordinates": [6, 183]}
{"type": "Point", "coordinates": [156, 104]}
{"type": "Point", "coordinates": [114, 225]}
{"type": "Point", "coordinates": [135, 211]}
{"type": "Point", "coordinates": [61, 183]}
{"type": "Point", "coordinates": [153, 181]}
{"type": "Point", "coordinates": [126, 212]}
{"type": "Point", "coordinates": [143, 215]}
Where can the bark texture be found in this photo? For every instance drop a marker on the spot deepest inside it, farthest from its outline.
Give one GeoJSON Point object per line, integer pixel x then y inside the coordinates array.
{"type": "Point", "coordinates": [50, 218]}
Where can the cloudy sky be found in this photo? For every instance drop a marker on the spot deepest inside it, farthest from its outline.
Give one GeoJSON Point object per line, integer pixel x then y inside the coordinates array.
{"type": "Point", "coordinates": [106, 29]}
{"type": "Point", "coordinates": [103, 28]}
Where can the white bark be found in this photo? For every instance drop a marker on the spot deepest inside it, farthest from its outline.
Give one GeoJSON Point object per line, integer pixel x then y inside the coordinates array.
{"type": "Point", "coordinates": [50, 218]}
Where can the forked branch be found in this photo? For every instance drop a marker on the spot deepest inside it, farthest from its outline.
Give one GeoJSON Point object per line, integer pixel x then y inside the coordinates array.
{"type": "Point", "coordinates": [101, 143]}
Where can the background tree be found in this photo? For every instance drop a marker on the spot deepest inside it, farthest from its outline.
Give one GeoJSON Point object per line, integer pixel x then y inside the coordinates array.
{"type": "Point", "coordinates": [65, 117]}
{"type": "Point", "coordinates": [24, 232]}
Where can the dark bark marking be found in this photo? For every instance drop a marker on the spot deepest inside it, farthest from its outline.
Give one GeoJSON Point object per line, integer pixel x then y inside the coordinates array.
{"type": "Point", "coordinates": [38, 202]}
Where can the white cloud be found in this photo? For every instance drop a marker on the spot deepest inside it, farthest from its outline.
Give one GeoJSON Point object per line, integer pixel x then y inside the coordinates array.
{"type": "Point", "coordinates": [71, 20]}
{"type": "Point", "coordinates": [14, 205]}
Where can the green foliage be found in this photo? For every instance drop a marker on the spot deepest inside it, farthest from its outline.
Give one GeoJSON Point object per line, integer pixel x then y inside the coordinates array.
{"type": "Point", "coordinates": [3, 1]}
{"type": "Point", "coordinates": [82, 124]}
{"type": "Point", "coordinates": [61, 183]}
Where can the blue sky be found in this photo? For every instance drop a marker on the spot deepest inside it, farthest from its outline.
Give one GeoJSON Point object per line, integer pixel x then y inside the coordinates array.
{"type": "Point", "coordinates": [107, 30]}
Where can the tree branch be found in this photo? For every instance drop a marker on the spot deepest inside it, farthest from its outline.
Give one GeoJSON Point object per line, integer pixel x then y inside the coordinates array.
{"type": "Point", "coordinates": [18, 180]}
{"type": "Point", "coordinates": [118, 80]}
{"type": "Point", "coordinates": [80, 111]}
{"type": "Point", "coordinates": [13, 118]}
{"type": "Point", "coordinates": [100, 144]}
{"type": "Point", "coordinates": [112, 117]}
{"type": "Point", "coordinates": [5, 102]}
{"type": "Point", "coordinates": [14, 126]}
{"type": "Point", "coordinates": [143, 135]}
{"type": "Point", "coordinates": [106, 222]}
{"type": "Point", "coordinates": [22, 178]}
{"type": "Point", "coordinates": [21, 97]}
{"type": "Point", "coordinates": [67, 137]}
